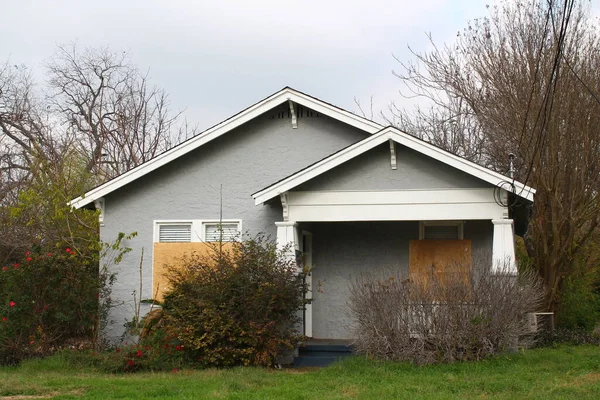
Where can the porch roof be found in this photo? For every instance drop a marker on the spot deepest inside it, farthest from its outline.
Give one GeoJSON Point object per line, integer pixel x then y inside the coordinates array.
{"type": "Point", "coordinates": [402, 138]}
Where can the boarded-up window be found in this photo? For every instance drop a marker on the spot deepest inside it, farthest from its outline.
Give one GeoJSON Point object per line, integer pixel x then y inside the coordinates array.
{"type": "Point", "coordinates": [170, 255]}
{"type": "Point", "coordinates": [215, 232]}
{"type": "Point", "coordinates": [175, 233]}
{"type": "Point", "coordinates": [446, 260]}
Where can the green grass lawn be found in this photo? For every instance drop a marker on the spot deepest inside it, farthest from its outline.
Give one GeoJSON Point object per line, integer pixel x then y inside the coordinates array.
{"type": "Point", "coordinates": [567, 372]}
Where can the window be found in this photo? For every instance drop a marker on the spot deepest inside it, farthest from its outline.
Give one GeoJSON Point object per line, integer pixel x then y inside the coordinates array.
{"type": "Point", "coordinates": [441, 230]}
{"type": "Point", "coordinates": [226, 231]}
{"type": "Point", "coordinates": [182, 231]}
{"type": "Point", "coordinates": [174, 233]}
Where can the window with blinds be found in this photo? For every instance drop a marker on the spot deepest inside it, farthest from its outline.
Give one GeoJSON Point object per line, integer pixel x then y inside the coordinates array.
{"type": "Point", "coordinates": [215, 232]}
{"type": "Point", "coordinates": [174, 233]}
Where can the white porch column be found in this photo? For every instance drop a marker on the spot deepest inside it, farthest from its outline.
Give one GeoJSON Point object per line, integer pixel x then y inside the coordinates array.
{"type": "Point", "coordinates": [503, 249]}
{"type": "Point", "coordinates": [286, 234]}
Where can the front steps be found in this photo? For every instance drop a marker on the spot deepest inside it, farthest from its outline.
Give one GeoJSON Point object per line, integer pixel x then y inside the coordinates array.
{"type": "Point", "coordinates": [320, 353]}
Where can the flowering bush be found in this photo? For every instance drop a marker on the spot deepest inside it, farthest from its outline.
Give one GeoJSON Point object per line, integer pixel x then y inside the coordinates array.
{"type": "Point", "coordinates": [235, 307]}
{"type": "Point", "coordinates": [46, 299]}
{"type": "Point", "coordinates": [158, 352]}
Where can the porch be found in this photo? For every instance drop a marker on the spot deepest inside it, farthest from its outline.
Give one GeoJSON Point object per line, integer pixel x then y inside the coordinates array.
{"type": "Point", "coordinates": [338, 252]}
{"type": "Point", "coordinates": [339, 235]}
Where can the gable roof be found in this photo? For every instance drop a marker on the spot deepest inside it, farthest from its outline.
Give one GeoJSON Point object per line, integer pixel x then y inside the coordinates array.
{"type": "Point", "coordinates": [386, 134]}
{"type": "Point", "coordinates": [222, 128]}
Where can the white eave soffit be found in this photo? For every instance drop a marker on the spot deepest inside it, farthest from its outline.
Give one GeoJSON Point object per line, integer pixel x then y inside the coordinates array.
{"type": "Point", "coordinates": [285, 95]}
{"type": "Point", "coordinates": [388, 134]}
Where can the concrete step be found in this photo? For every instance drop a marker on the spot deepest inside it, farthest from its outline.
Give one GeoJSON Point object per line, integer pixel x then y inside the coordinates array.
{"type": "Point", "coordinates": [304, 353]}
{"type": "Point", "coordinates": [316, 361]}
{"type": "Point", "coordinates": [337, 348]}
{"type": "Point", "coordinates": [320, 354]}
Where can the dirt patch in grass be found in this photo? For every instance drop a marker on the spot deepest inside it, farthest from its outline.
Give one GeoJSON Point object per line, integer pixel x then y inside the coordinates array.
{"type": "Point", "coordinates": [586, 379]}
{"type": "Point", "coordinates": [302, 370]}
{"type": "Point", "coordinates": [40, 396]}
{"type": "Point", "coordinates": [350, 391]}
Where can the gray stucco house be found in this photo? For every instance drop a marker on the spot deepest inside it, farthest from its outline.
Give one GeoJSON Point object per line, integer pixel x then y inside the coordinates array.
{"type": "Point", "coordinates": [350, 194]}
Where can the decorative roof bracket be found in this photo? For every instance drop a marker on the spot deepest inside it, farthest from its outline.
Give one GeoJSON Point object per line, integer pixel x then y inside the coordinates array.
{"type": "Point", "coordinates": [284, 205]}
{"type": "Point", "coordinates": [393, 154]}
{"type": "Point", "coordinates": [293, 112]}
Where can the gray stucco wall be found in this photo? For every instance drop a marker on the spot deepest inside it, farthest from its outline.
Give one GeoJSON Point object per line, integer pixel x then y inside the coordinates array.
{"type": "Point", "coordinates": [372, 171]}
{"type": "Point", "coordinates": [344, 250]}
{"type": "Point", "coordinates": [244, 161]}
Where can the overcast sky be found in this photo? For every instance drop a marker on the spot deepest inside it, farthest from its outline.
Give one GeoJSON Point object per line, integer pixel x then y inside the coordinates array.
{"type": "Point", "coordinates": [215, 58]}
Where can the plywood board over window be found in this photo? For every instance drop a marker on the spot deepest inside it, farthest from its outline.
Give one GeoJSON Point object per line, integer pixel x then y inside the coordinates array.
{"type": "Point", "coordinates": [170, 255]}
{"type": "Point", "coordinates": [445, 259]}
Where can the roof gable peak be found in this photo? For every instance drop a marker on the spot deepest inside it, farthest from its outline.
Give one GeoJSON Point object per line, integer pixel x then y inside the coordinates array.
{"type": "Point", "coordinates": [268, 103]}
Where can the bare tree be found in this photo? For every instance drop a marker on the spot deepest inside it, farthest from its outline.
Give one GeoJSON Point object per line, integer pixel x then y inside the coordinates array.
{"type": "Point", "coordinates": [23, 127]}
{"type": "Point", "coordinates": [523, 80]}
{"type": "Point", "coordinates": [115, 117]}
{"type": "Point", "coordinates": [97, 118]}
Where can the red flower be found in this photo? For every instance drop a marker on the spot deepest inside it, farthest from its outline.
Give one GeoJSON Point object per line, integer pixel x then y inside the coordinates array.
{"type": "Point", "coordinates": [27, 253]}
{"type": "Point", "coordinates": [175, 370]}
{"type": "Point", "coordinates": [28, 258]}
{"type": "Point", "coordinates": [49, 254]}
{"type": "Point", "coordinates": [68, 249]}
{"type": "Point", "coordinates": [3, 319]}
{"type": "Point", "coordinates": [32, 342]}
{"type": "Point", "coordinates": [16, 266]}
{"type": "Point", "coordinates": [139, 353]}
{"type": "Point", "coordinates": [179, 347]}
{"type": "Point", "coordinates": [4, 268]}
{"type": "Point", "coordinates": [130, 363]}
{"type": "Point", "coordinates": [12, 304]}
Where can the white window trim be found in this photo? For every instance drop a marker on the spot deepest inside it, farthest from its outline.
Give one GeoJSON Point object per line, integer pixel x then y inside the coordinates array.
{"type": "Point", "coordinates": [198, 232]}
{"type": "Point", "coordinates": [217, 221]}
{"type": "Point", "coordinates": [459, 224]}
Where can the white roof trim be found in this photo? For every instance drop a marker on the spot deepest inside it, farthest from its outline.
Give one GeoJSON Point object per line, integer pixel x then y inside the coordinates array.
{"type": "Point", "coordinates": [384, 135]}
{"type": "Point", "coordinates": [222, 128]}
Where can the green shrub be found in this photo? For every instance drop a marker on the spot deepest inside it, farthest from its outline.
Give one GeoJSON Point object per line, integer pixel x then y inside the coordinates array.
{"type": "Point", "coordinates": [45, 299]}
{"type": "Point", "coordinates": [563, 336]}
{"type": "Point", "coordinates": [54, 298]}
{"type": "Point", "coordinates": [237, 306]}
{"type": "Point", "coordinates": [579, 304]}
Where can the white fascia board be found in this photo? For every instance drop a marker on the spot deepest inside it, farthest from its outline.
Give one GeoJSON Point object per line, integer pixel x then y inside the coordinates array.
{"type": "Point", "coordinates": [457, 162]}
{"type": "Point", "coordinates": [222, 128]}
{"type": "Point", "coordinates": [402, 138]}
{"type": "Point", "coordinates": [320, 167]}
{"type": "Point", "coordinates": [405, 205]}
{"type": "Point", "coordinates": [410, 196]}
{"type": "Point", "coordinates": [335, 112]}
{"type": "Point", "coordinates": [396, 212]}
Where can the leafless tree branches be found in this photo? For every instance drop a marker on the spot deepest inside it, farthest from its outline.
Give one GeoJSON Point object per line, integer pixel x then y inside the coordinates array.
{"type": "Point", "coordinates": [428, 320]}
{"type": "Point", "coordinates": [96, 118]}
{"type": "Point", "coordinates": [115, 118]}
{"type": "Point", "coordinates": [524, 81]}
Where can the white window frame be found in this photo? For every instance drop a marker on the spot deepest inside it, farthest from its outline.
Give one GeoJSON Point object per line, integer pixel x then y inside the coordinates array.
{"type": "Point", "coordinates": [459, 224]}
{"type": "Point", "coordinates": [198, 233]}
{"type": "Point", "coordinates": [223, 222]}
